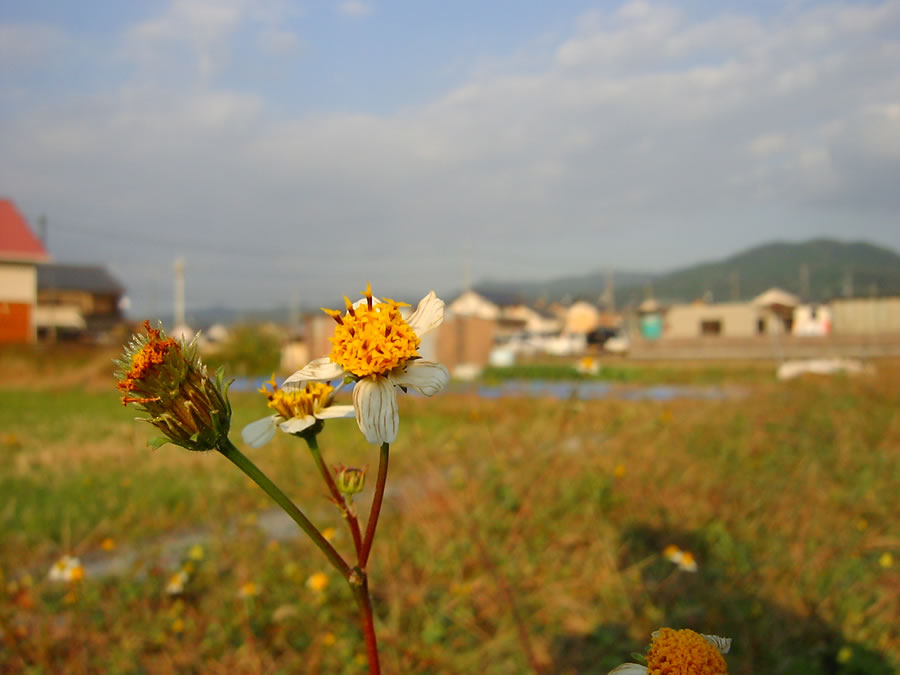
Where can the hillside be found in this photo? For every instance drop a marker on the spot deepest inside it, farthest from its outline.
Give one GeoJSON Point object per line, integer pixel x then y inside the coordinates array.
{"type": "Point", "coordinates": [818, 270]}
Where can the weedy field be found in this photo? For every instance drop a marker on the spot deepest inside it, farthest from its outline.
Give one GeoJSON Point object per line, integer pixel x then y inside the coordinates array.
{"type": "Point", "coordinates": [519, 534]}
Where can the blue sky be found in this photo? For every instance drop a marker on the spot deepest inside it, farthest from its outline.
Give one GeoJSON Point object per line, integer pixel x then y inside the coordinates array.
{"type": "Point", "coordinates": [298, 149]}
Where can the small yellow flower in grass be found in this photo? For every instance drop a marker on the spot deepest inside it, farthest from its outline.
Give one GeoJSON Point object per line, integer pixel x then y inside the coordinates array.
{"type": "Point", "coordinates": [66, 569]}
{"type": "Point", "coordinates": [317, 582]}
{"type": "Point", "coordinates": [328, 639]}
{"type": "Point", "coordinates": [167, 380]}
{"type": "Point", "coordinates": [683, 559]}
{"type": "Point", "coordinates": [178, 625]}
{"type": "Point", "coordinates": [681, 652]}
{"type": "Point", "coordinates": [196, 553]}
{"type": "Point", "coordinates": [845, 654]}
{"type": "Point", "coordinates": [886, 560]}
{"type": "Point", "coordinates": [176, 583]}
{"type": "Point", "coordinates": [297, 411]}
{"type": "Point", "coordinates": [328, 533]}
{"type": "Point", "coordinates": [248, 590]}
{"type": "Point", "coordinates": [375, 346]}
{"type": "Point", "coordinates": [587, 366]}
{"type": "Point", "coordinates": [108, 544]}
{"type": "Point", "coordinates": [619, 471]}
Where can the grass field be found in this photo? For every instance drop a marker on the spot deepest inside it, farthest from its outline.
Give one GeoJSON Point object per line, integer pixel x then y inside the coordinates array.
{"type": "Point", "coordinates": [518, 533]}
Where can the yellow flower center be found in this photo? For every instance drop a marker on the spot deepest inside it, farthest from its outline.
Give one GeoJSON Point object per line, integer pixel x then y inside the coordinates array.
{"type": "Point", "coordinates": [683, 652]}
{"type": "Point", "coordinates": [309, 400]}
{"type": "Point", "coordinates": [373, 338]}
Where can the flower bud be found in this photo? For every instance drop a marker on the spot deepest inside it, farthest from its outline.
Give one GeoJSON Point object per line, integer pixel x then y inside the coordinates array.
{"type": "Point", "coordinates": [350, 480]}
{"type": "Point", "coordinates": [166, 379]}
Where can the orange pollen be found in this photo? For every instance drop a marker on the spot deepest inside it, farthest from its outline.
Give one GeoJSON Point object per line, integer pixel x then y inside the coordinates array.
{"type": "Point", "coordinates": [143, 361]}
{"type": "Point", "coordinates": [300, 402]}
{"type": "Point", "coordinates": [684, 652]}
{"type": "Point", "coordinates": [373, 338]}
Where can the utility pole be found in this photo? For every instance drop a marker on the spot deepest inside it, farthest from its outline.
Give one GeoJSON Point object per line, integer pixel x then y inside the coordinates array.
{"type": "Point", "coordinates": [804, 281]}
{"type": "Point", "coordinates": [735, 279]}
{"type": "Point", "coordinates": [179, 292]}
{"type": "Point", "coordinates": [610, 290]}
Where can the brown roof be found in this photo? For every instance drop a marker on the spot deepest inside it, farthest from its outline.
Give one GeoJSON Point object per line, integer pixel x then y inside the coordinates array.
{"type": "Point", "coordinates": [17, 241]}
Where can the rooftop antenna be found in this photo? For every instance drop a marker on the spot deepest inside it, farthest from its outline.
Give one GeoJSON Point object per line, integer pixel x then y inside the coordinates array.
{"type": "Point", "coordinates": [179, 292]}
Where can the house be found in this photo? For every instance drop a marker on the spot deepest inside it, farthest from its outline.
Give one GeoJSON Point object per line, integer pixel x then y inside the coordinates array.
{"type": "Point", "coordinates": [77, 301]}
{"type": "Point", "coordinates": [770, 313]}
{"type": "Point", "coordinates": [20, 253]}
{"type": "Point", "coordinates": [866, 316]}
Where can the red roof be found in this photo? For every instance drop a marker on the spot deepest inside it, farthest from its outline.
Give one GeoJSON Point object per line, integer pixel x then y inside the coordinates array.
{"type": "Point", "coordinates": [17, 241]}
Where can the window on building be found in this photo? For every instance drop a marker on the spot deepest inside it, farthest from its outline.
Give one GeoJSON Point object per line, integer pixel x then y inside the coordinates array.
{"type": "Point", "coordinates": [711, 327]}
{"type": "Point", "coordinates": [760, 326]}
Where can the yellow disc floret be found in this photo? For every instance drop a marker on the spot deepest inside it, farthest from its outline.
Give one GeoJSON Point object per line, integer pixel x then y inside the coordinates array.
{"type": "Point", "coordinates": [683, 652]}
{"type": "Point", "coordinates": [373, 338]}
{"type": "Point", "coordinates": [298, 402]}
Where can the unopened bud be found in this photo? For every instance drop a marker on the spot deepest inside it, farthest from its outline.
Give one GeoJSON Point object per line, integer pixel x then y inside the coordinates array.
{"type": "Point", "coordinates": [350, 480]}
{"type": "Point", "coordinates": [167, 380]}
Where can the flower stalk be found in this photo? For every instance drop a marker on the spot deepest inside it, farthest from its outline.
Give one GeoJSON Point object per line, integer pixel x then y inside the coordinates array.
{"type": "Point", "coordinates": [241, 461]}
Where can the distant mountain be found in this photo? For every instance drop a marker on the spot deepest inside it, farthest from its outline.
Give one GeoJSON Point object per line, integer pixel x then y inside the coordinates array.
{"type": "Point", "coordinates": [816, 270]}
{"type": "Point", "coordinates": [586, 287]}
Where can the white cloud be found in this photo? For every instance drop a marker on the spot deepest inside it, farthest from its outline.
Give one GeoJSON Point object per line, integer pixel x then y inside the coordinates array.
{"type": "Point", "coordinates": [355, 8]}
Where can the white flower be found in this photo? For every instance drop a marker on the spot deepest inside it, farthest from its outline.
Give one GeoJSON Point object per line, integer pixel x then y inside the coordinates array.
{"type": "Point", "coordinates": [67, 568]}
{"type": "Point", "coordinates": [297, 410]}
{"type": "Point", "coordinates": [374, 345]}
{"type": "Point", "coordinates": [682, 651]}
{"type": "Point", "coordinates": [177, 582]}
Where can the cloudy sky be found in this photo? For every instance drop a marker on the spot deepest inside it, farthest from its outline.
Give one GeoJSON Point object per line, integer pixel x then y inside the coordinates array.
{"type": "Point", "coordinates": [291, 151]}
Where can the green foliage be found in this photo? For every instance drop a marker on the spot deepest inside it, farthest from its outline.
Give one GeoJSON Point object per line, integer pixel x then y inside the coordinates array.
{"type": "Point", "coordinates": [250, 350]}
{"type": "Point", "coordinates": [503, 516]}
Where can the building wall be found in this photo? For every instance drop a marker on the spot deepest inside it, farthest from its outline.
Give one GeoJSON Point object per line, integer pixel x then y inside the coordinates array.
{"type": "Point", "coordinates": [18, 295]}
{"type": "Point", "coordinates": [465, 340]}
{"type": "Point", "coordinates": [866, 316]}
{"type": "Point", "coordinates": [736, 319]}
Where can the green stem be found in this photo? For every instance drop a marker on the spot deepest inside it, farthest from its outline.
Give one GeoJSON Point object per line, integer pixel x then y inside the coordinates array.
{"type": "Point", "coordinates": [336, 495]}
{"type": "Point", "coordinates": [241, 461]}
{"type": "Point", "coordinates": [376, 504]}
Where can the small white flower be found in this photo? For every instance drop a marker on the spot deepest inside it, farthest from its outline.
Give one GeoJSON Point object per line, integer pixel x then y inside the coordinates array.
{"type": "Point", "coordinates": [177, 582]}
{"type": "Point", "coordinates": [374, 345]}
{"type": "Point", "coordinates": [297, 410]}
{"type": "Point", "coordinates": [68, 568]}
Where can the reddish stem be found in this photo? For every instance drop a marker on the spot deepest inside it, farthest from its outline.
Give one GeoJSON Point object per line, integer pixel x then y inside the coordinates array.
{"type": "Point", "coordinates": [349, 515]}
{"type": "Point", "coordinates": [376, 504]}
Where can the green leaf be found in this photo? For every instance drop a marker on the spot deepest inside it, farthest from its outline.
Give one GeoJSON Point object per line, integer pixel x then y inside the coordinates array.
{"type": "Point", "coordinates": [155, 443]}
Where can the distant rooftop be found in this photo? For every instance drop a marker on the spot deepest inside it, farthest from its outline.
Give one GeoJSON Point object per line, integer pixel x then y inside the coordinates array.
{"type": "Point", "coordinates": [17, 241]}
{"type": "Point", "coordinates": [90, 278]}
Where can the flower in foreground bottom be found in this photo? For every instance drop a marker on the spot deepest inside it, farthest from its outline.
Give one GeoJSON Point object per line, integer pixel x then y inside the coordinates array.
{"type": "Point", "coordinates": [681, 652]}
{"type": "Point", "coordinates": [374, 345]}
{"type": "Point", "coordinates": [296, 411]}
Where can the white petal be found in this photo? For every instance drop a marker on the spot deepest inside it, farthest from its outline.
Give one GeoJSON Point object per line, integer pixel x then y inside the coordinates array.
{"type": "Point", "coordinates": [318, 370]}
{"type": "Point", "coordinates": [428, 315]}
{"type": "Point", "coordinates": [720, 643]}
{"type": "Point", "coordinates": [375, 402]}
{"type": "Point", "coordinates": [629, 669]}
{"type": "Point", "coordinates": [297, 424]}
{"type": "Point", "coordinates": [258, 433]}
{"type": "Point", "coordinates": [335, 411]}
{"type": "Point", "coordinates": [426, 377]}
